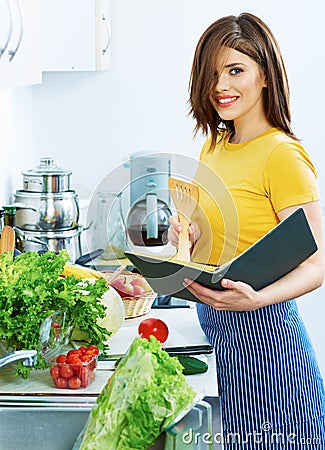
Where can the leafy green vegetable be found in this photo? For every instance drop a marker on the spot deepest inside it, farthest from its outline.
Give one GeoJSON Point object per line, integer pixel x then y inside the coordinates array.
{"type": "Point", "coordinates": [31, 289]}
{"type": "Point", "coordinates": [145, 393]}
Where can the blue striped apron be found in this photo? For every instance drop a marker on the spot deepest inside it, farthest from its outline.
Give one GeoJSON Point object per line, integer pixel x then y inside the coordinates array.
{"type": "Point", "coordinates": [269, 380]}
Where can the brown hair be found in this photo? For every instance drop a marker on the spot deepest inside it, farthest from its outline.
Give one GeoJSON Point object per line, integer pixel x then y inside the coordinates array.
{"type": "Point", "coordinates": [249, 35]}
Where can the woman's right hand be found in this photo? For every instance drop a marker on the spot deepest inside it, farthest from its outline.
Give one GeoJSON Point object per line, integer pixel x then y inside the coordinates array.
{"type": "Point", "coordinates": [175, 227]}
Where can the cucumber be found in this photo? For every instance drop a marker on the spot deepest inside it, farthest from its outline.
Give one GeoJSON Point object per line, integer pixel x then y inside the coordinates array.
{"type": "Point", "coordinates": [192, 366]}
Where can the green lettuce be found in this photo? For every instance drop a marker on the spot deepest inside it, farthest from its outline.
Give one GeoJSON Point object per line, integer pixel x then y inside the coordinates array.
{"type": "Point", "coordinates": [146, 392]}
{"type": "Point", "coordinates": [31, 289]}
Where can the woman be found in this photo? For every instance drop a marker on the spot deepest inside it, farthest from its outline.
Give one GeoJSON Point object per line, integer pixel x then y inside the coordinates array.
{"type": "Point", "coordinates": [271, 388]}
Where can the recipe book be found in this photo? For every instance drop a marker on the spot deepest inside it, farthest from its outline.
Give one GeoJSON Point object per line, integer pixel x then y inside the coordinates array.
{"type": "Point", "coordinates": [281, 250]}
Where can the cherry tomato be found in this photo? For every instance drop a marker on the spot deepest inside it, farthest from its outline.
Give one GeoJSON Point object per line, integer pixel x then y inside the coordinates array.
{"type": "Point", "coordinates": [74, 352]}
{"type": "Point", "coordinates": [75, 364]}
{"type": "Point", "coordinates": [82, 349]}
{"type": "Point", "coordinates": [61, 359]}
{"type": "Point", "coordinates": [61, 382]}
{"type": "Point", "coordinates": [153, 327]}
{"type": "Point", "coordinates": [66, 371]}
{"type": "Point", "coordinates": [84, 376]}
{"type": "Point", "coordinates": [89, 352]}
{"type": "Point", "coordinates": [74, 383]}
{"type": "Point", "coordinates": [93, 348]}
{"type": "Point", "coordinates": [55, 372]}
{"type": "Point", "coordinates": [87, 358]}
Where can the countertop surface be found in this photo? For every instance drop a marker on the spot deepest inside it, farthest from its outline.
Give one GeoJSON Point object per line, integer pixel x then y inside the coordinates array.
{"type": "Point", "coordinates": [184, 330]}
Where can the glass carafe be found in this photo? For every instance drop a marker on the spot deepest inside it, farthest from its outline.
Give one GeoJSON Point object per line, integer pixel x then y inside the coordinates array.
{"type": "Point", "coordinates": [109, 226]}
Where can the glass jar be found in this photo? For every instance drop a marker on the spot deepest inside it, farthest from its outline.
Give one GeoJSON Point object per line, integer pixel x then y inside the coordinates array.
{"type": "Point", "coordinates": [110, 233]}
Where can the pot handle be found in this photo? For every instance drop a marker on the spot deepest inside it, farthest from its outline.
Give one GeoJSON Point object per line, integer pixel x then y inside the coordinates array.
{"type": "Point", "coordinates": [83, 259]}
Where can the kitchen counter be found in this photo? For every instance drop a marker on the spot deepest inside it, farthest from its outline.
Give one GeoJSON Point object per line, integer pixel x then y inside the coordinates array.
{"type": "Point", "coordinates": [184, 330]}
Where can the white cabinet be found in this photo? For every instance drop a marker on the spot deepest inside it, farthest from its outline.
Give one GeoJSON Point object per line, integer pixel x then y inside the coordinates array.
{"type": "Point", "coordinates": [76, 35]}
{"type": "Point", "coordinates": [20, 50]}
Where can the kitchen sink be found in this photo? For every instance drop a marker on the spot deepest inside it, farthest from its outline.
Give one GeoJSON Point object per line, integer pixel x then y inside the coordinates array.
{"type": "Point", "coordinates": [38, 422]}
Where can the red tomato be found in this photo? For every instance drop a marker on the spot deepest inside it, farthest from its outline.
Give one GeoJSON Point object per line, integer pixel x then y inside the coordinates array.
{"type": "Point", "coordinates": [75, 364]}
{"type": "Point", "coordinates": [61, 359]}
{"type": "Point", "coordinates": [74, 352]}
{"type": "Point", "coordinates": [93, 348]}
{"type": "Point", "coordinates": [89, 352]}
{"type": "Point", "coordinates": [61, 383]}
{"type": "Point", "coordinates": [84, 376]}
{"type": "Point", "coordinates": [87, 358]}
{"type": "Point", "coordinates": [55, 372]}
{"type": "Point", "coordinates": [74, 383]}
{"type": "Point", "coordinates": [66, 371]}
{"type": "Point", "coordinates": [153, 327]}
{"type": "Point", "coordinates": [82, 349]}
{"type": "Point", "coordinates": [72, 358]}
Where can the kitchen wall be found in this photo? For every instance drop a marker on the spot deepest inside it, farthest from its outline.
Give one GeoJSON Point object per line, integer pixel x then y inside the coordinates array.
{"type": "Point", "coordinates": [91, 122]}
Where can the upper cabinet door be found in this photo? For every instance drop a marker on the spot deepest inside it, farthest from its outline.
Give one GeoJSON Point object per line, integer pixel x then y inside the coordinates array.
{"type": "Point", "coordinates": [20, 51]}
{"type": "Point", "coordinates": [76, 35]}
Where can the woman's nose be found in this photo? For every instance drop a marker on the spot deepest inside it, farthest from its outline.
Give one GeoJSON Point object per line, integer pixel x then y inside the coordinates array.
{"type": "Point", "coordinates": [222, 83]}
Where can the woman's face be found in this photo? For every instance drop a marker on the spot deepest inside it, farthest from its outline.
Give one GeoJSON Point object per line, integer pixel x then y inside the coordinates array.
{"type": "Point", "coordinates": [238, 92]}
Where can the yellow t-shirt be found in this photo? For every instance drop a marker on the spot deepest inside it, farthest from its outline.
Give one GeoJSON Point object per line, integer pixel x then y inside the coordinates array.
{"type": "Point", "coordinates": [243, 186]}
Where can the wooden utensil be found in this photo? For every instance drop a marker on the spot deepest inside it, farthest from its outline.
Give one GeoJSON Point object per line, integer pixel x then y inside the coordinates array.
{"type": "Point", "coordinates": [185, 196]}
{"type": "Point", "coordinates": [7, 241]}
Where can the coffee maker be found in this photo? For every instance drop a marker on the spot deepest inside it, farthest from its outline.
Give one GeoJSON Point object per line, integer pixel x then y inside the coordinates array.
{"type": "Point", "coordinates": [147, 219]}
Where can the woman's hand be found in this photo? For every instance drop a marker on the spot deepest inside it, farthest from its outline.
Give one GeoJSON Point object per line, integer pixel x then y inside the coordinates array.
{"type": "Point", "coordinates": [175, 227]}
{"type": "Point", "coordinates": [238, 296]}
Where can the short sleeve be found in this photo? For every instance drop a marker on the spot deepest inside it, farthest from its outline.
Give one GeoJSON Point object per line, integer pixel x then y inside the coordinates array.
{"type": "Point", "coordinates": [290, 177]}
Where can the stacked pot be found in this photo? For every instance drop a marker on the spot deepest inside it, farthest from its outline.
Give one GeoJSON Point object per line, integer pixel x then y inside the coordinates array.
{"type": "Point", "coordinates": [48, 210]}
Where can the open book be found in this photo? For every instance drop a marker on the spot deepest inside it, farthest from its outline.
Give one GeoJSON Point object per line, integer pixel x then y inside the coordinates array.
{"type": "Point", "coordinates": [274, 255]}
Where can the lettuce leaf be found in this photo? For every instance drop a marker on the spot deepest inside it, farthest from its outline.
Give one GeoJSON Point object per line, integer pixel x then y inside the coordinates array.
{"type": "Point", "coordinates": [146, 392]}
{"type": "Point", "coordinates": [31, 289]}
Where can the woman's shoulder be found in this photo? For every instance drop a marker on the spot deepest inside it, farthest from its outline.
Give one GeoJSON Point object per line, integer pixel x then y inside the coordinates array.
{"type": "Point", "coordinates": [277, 137]}
{"type": "Point", "coordinates": [207, 145]}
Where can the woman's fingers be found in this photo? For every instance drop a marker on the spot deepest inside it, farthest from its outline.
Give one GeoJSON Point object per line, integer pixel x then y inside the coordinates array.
{"type": "Point", "coordinates": [175, 227]}
{"type": "Point", "coordinates": [173, 230]}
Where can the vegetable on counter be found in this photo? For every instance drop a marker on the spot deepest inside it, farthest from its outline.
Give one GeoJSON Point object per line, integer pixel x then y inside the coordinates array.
{"type": "Point", "coordinates": [146, 392]}
{"type": "Point", "coordinates": [153, 327]}
{"type": "Point", "coordinates": [191, 365]}
{"type": "Point", "coordinates": [76, 369]}
{"type": "Point", "coordinates": [31, 289]}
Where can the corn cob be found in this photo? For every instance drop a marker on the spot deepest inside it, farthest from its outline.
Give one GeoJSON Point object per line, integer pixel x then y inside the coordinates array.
{"type": "Point", "coordinates": [80, 271]}
{"type": "Point", "coordinates": [7, 241]}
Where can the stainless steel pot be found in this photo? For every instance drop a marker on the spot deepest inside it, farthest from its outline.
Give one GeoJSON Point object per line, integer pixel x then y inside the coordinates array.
{"type": "Point", "coordinates": [46, 203]}
{"type": "Point", "coordinates": [46, 211]}
{"type": "Point", "coordinates": [46, 177]}
{"type": "Point", "coordinates": [69, 240]}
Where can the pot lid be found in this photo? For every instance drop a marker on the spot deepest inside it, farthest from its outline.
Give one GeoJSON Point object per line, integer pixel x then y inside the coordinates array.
{"type": "Point", "coordinates": [45, 167]}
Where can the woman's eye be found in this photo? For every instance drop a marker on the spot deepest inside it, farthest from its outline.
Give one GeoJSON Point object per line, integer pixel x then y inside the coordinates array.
{"type": "Point", "coordinates": [236, 71]}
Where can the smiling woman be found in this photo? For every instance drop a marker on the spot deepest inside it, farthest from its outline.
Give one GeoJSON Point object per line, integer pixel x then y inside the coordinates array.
{"type": "Point", "coordinates": [266, 366]}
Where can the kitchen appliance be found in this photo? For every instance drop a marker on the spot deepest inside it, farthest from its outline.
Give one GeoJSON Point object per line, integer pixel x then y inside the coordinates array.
{"type": "Point", "coordinates": [48, 210]}
{"type": "Point", "coordinates": [147, 219]}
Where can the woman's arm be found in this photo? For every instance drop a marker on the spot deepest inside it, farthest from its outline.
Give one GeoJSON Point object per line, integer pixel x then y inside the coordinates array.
{"type": "Point", "coordinates": [305, 278]}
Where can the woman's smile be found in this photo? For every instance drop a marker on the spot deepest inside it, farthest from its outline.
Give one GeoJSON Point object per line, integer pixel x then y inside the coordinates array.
{"type": "Point", "coordinates": [225, 101]}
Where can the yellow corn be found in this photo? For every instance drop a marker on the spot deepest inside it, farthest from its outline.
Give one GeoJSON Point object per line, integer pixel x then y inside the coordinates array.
{"type": "Point", "coordinates": [80, 272]}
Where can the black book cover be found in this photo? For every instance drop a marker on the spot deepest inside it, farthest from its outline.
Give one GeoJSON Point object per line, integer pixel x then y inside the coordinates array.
{"type": "Point", "coordinates": [274, 255]}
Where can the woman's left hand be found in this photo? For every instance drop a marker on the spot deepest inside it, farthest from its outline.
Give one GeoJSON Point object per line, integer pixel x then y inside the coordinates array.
{"type": "Point", "coordinates": [237, 296]}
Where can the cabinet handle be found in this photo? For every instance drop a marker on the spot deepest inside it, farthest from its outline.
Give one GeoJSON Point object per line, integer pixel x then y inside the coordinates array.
{"type": "Point", "coordinates": [109, 34]}
{"type": "Point", "coordinates": [13, 52]}
{"type": "Point", "coordinates": [4, 48]}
